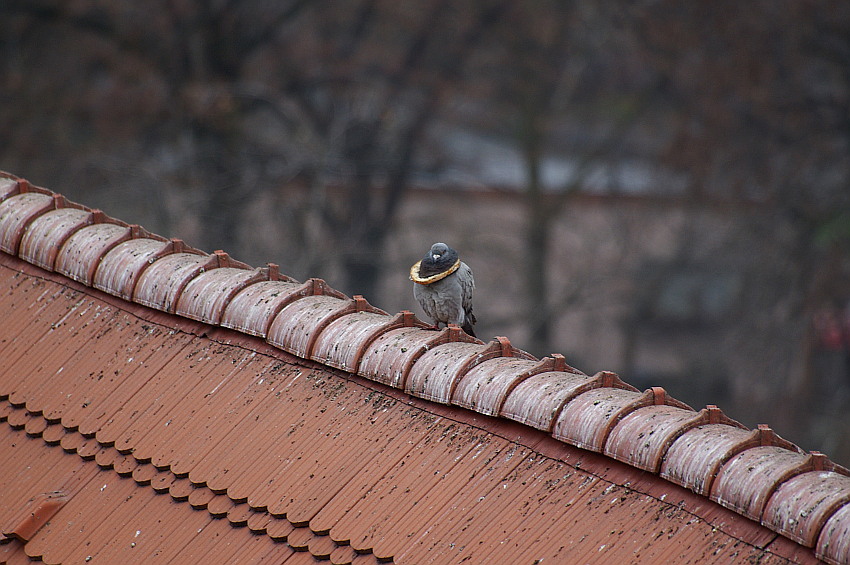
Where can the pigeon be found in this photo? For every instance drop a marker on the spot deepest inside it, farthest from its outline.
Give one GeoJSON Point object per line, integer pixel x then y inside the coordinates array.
{"type": "Point", "coordinates": [443, 286]}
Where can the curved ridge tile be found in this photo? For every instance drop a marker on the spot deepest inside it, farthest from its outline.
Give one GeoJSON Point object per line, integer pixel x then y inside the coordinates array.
{"type": "Point", "coordinates": [160, 285]}
{"type": "Point", "coordinates": [833, 545]}
{"type": "Point", "coordinates": [538, 400]}
{"type": "Point", "coordinates": [343, 342]}
{"type": "Point", "coordinates": [80, 255]}
{"type": "Point", "coordinates": [47, 233]}
{"type": "Point", "coordinates": [122, 266]}
{"type": "Point", "coordinates": [8, 187]}
{"type": "Point", "coordinates": [486, 386]}
{"type": "Point", "coordinates": [254, 308]}
{"type": "Point", "coordinates": [748, 479]}
{"type": "Point", "coordinates": [299, 324]}
{"type": "Point", "coordinates": [388, 358]}
{"type": "Point", "coordinates": [16, 213]}
{"type": "Point", "coordinates": [206, 296]}
{"type": "Point", "coordinates": [643, 437]}
{"type": "Point", "coordinates": [587, 420]}
{"type": "Point", "coordinates": [694, 459]}
{"type": "Point", "coordinates": [802, 505]}
{"type": "Point", "coordinates": [436, 374]}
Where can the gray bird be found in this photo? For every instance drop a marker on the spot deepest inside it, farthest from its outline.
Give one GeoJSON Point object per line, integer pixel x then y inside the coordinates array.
{"type": "Point", "coordinates": [443, 287]}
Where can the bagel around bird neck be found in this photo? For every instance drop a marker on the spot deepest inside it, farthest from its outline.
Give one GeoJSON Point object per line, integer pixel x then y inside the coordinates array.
{"type": "Point", "coordinates": [414, 273]}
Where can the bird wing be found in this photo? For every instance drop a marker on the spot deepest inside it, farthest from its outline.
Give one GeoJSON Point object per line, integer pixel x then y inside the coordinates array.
{"type": "Point", "coordinates": [467, 285]}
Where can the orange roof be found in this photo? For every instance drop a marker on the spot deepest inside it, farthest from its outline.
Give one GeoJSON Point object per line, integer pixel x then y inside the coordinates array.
{"type": "Point", "coordinates": [161, 404]}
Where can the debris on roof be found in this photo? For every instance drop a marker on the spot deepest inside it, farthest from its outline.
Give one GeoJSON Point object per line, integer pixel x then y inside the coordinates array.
{"type": "Point", "coordinates": [162, 404]}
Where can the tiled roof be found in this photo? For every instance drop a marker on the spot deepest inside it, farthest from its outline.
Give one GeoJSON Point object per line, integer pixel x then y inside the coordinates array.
{"type": "Point", "coordinates": [162, 404]}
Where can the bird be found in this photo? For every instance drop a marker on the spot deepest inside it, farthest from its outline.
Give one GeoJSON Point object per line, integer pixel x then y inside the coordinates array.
{"type": "Point", "coordinates": [443, 286]}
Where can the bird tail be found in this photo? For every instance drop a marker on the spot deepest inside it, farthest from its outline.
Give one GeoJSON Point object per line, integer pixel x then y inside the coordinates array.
{"type": "Point", "coordinates": [467, 327]}
{"type": "Point", "coordinates": [468, 321]}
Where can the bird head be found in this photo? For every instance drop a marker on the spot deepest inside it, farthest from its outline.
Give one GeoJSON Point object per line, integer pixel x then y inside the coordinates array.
{"type": "Point", "coordinates": [438, 250]}
{"type": "Point", "coordinates": [439, 259]}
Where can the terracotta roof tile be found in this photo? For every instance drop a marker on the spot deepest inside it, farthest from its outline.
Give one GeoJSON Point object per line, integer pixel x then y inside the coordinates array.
{"type": "Point", "coordinates": [16, 213]}
{"type": "Point", "coordinates": [225, 402]}
{"type": "Point", "coordinates": [587, 420]}
{"type": "Point", "coordinates": [46, 234]}
{"type": "Point", "coordinates": [8, 187]}
{"type": "Point", "coordinates": [801, 505]}
{"type": "Point", "coordinates": [80, 255]}
{"type": "Point", "coordinates": [423, 486]}
{"type": "Point", "coordinates": [259, 521]}
{"type": "Point", "coordinates": [169, 441]}
{"type": "Point", "coordinates": [643, 437]}
{"type": "Point", "coordinates": [833, 544]}
{"type": "Point", "coordinates": [485, 386]}
{"type": "Point", "coordinates": [342, 555]}
{"type": "Point", "coordinates": [160, 285]}
{"type": "Point", "coordinates": [106, 403]}
{"type": "Point", "coordinates": [747, 480]}
{"type": "Point", "coordinates": [206, 296]}
{"type": "Point", "coordinates": [436, 374]}
{"type": "Point", "coordinates": [695, 457]}
{"type": "Point", "coordinates": [254, 308]}
{"type": "Point", "coordinates": [297, 326]}
{"type": "Point", "coordinates": [201, 497]}
{"type": "Point", "coordinates": [121, 267]}
{"type": "Point", "coordinates": [538, 400]}
{"type": "Point", "coordinates": [343, 342]}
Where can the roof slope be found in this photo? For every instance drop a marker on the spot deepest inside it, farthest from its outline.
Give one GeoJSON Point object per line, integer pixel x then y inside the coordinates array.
{"type": "Point", "coordinates": [160, 404]}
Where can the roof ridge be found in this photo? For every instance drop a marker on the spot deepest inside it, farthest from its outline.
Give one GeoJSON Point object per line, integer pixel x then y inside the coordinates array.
{"type": "Point", "coordinates": [755, 473]}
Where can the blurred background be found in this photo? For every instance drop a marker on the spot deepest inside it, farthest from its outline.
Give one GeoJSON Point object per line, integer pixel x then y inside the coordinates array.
{"type": "Point", "coordinates": [657, 188]}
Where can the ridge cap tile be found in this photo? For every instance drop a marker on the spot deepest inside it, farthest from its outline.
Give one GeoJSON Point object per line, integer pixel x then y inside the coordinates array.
{"type": "Point", "coordinates": [486, 387]}
{"type": "Point", "coordinates": [159, 286]}
{"type": "Point", "coordinates": [801, 506]}
{"type": "Point", "coordinates": [360, 330]}
{"type": "Point", "coordinates": [121, 266]}
{"type": "Point", "coordinates": [746, 481]}
{"type": "Point", "coordinates": [46, 234]}
{"type": "Point", "coordinates": [833, 544]}
{"type": "Point", "coordinates": [437, 371]}
{"type": "Point", "coordinates": [253, 308]}
{"type": "Point", "coordinates": [80, 254]}
{"type": "Point", "coordinates": [16, 214]}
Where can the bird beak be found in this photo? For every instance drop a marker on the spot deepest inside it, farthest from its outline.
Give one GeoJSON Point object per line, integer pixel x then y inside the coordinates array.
{"type": "Point", "coordinates": [435, 256]}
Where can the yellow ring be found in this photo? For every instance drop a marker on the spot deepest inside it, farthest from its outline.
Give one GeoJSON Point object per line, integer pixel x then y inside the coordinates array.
{"type": "Point", "coordinates": [414, 273]}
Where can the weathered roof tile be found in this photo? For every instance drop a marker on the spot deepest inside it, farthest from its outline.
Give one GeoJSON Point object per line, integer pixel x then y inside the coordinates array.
{"type": "Point", "coordinates": [538, 400]}
{"type": "Point", "coordinates": [587, 420]}
{"type": "Point", "coordinates": [436, 374]}
{"type": "Point", "coordinates": [389, 358]}
{"type": "Point", "coordinates": [47, 233]}
{"type": "Point", "coordinates": [16, 213]}
{"type": "Point", "coordinates": [298, 325]}
{"type": "Point", "coordinates": [80, 255]}
{"type": "Point", "coordinates": [8, 187]}
{"type": "Point", "coordinates": [206, 296]}
{"type": "Point", "coordinates": [833, 543]}
{"type": "Point", "coordinates": [801, 506]}
{"type": "Point", "coordinates": [342, 343]}
{"type": "Point", "coordinates": [254, 308]}
{"type": "Point", "coordinates": [121, 267]}
{"type": "Point", "coordinates": [643, 437]}
{"type": "Point", "coordinates": [160, 285]}
{"type": "Point", "coordinates": [486, 386]}
{"type": "Point", "coordinates": [746, 481]}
